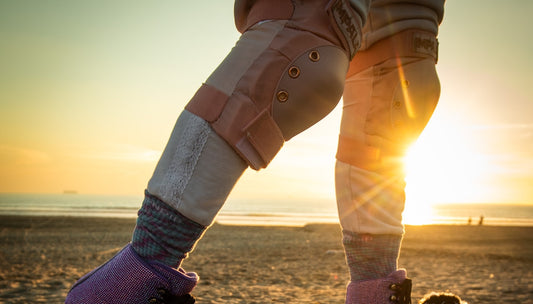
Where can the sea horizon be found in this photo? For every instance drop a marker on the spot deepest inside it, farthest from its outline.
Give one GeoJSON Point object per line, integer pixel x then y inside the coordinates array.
{"type": "Point", "coordinates": [262, 212]}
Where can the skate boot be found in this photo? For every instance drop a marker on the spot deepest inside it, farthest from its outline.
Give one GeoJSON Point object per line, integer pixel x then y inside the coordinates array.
{"type": "Point", "coordinates": [393, 289]}
{"type": "Point", "coordinates": [127, 278]}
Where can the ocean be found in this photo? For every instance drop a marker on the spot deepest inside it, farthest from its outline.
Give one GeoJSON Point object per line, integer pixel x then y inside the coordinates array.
{"type": "Point", "coordinates": [256, 212]}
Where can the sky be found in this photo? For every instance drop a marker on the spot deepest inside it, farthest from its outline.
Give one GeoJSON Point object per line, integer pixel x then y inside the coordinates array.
{"type": "Point", "coordinates": [90, 90]}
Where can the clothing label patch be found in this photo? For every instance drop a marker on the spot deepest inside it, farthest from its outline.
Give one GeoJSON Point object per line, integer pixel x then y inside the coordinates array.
{"type": "Point", "coordinates": [425, 44]}
{"type": "Point", "coordinates": [346, 22]}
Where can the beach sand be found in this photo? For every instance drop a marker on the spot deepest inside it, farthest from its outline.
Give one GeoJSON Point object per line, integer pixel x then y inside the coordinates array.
{"type": "Point", "coordinates": [41, 257]}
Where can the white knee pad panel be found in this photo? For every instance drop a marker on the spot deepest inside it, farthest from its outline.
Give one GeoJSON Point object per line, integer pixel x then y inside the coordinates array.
{"type": "Point", "coordinates": [368, 202]}
{"type": "Point", "coordinates": [197, 170]}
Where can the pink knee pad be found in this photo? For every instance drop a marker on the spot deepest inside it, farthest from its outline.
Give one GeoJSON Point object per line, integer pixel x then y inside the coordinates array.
{"type": "Point", "coordinates": [289, 85]}
{"type": "Point", "coordinates": [391, 92]}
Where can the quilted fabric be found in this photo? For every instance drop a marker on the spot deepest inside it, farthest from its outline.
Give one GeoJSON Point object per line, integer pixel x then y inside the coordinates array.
{"type": "Point", "coordinates": [393, 289]}
{"type": "Point", "coordinates": [127, 278]}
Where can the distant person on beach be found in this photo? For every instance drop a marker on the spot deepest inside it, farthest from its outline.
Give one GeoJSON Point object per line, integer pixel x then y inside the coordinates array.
{"type": "Point", "coordinates": [289, 69]}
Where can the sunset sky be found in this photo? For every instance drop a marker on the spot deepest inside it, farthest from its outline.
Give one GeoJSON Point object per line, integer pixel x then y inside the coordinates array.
{"type": "Point", "coordinates": [90, 90]}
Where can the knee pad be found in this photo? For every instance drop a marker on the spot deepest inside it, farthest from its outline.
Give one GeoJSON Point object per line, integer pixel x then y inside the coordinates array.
{"type": "Point", "coordinates": [388, 104]}
{"type": "Point", "coordinates": [263, 98]}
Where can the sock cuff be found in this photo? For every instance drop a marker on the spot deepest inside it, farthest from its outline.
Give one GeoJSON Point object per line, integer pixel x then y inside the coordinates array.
{"type": "Point", "coordinates": [349, 237]}
{"type": "Point", "coordinates": [371, 256]}
{"type": "Point", "coordinates": [163, 234]}
{"type": "Point", "coordinates": [154, 206]}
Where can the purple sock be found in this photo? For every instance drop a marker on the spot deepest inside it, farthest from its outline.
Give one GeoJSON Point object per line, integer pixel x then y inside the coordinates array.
{"type": "Point", "coordinates": [163, 234]}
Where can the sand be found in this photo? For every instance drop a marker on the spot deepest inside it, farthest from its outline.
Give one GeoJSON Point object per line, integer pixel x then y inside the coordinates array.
{"type": "Point", "coordinates": [41, 257]}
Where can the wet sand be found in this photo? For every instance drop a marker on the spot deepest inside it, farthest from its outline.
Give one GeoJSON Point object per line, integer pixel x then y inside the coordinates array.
{"type": "Point", "coordinates": [41, 257]}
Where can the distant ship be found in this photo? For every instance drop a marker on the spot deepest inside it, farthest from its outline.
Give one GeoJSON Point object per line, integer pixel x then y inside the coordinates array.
{"type": "Point", "coordinates": [70, 192]}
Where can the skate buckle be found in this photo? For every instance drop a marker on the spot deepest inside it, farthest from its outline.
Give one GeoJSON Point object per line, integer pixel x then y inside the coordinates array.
{"type": "Point", "coordinates": [402, 292]}
{"type": "Point", "coordinates": [168, 298]}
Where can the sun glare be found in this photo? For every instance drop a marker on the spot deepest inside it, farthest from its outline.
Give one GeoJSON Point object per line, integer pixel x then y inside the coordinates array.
{"type": "Point", "coordinates": [442, 167]}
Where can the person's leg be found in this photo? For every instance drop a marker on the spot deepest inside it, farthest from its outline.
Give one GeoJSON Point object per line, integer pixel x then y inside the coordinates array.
{"type": "Point", "coordinates": [370, 185]}
{"type": "Point", "coordinates": [230, 123]}
{"type": "Point", "coordinates": [391, 91]}
{"type": "Point", "coordinates": [193, 178]}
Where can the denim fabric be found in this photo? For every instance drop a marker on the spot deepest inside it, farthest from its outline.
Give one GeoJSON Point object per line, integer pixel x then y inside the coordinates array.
{"type": "Point", "coordinates": [389, 17]}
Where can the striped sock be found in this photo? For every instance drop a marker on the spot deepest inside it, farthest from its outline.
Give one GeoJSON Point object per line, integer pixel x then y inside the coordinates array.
{"type": "Point", "coordinates": [371, 256]}
{"type": "Point", "coordinates": [163, 234]}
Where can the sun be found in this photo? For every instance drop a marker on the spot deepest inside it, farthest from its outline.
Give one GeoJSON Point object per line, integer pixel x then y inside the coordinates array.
{"type": "Point", "coordinates": [443, 166]}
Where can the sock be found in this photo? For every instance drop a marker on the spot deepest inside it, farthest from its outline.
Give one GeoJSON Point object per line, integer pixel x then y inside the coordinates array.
{"type": "Point", "coordinates": [371, 256]}
{"type": "Point", "coordinates": [163, 234]}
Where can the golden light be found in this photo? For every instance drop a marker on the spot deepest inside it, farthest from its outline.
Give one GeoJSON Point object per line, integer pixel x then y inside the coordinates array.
{"type": "Point", "coordinates": [443, 166]}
